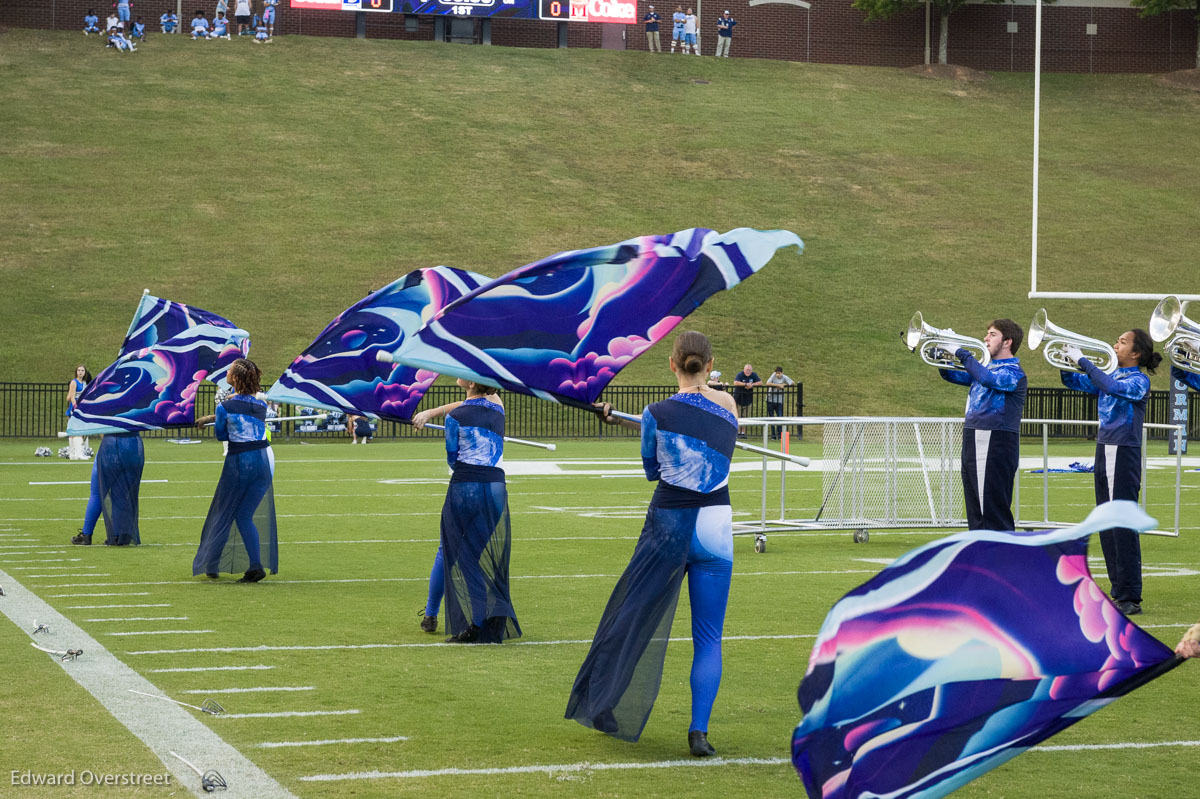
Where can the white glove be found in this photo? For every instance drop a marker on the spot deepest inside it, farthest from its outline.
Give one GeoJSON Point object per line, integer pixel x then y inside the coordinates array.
{"type": "Point", "coordinates": [1073, 353]}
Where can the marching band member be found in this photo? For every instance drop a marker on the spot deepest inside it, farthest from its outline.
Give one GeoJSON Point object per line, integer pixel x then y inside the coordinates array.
{"type": "Point", "coordinates": [687, 446]}
{"type": "Point", "coordinates": [243, 497]}
{"type": "Point", "coordinates": [1118, 475]}
{"type": "Point", "coordinates": [991, 432]}
{"type": "Point", "coordinates": [115, 483]}
{"type": "Point", "coordinates": [471, 565]}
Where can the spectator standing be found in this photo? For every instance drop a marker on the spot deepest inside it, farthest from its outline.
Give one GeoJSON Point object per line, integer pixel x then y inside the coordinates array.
{"type": "Point", "coordinates": [222, 8]}
{"type": "Point", "coordinates": [725, 24]}
{"type": "Point", "coordinates": [775, 384]}
{"type": "Point", "coordinates": [677, 22]}
{"type": "Point", "coordinates": [689, 32]}
{"type": "Point", "coordinates": [715, 382]}
{"type": "Point", "coordinates": [123, 7]}
{"type": "Point", "coordinates": [268, 17]}
{"type": "Point", "coordinates": [743, 393]}
{"type": "Point", "coordinates": [91, 23]}
{"type": "Point", "coordinates": [653, 43]}
{"type": "Point", "coordinates": [241, 13]}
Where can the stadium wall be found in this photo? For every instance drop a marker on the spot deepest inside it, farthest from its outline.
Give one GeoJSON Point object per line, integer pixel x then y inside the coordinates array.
{"type": "Point", "coordinates": [980, 36]}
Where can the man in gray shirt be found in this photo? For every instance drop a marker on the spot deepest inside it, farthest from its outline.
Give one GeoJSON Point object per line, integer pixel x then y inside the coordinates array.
{"type": "Point", "coordinates": [775, 384]}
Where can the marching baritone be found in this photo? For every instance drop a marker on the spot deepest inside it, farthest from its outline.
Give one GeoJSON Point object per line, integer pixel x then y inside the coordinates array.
{"type": "Point", "coordinates": [1118, 473]}
{"type": "Point", "coordinates": [991, 431]}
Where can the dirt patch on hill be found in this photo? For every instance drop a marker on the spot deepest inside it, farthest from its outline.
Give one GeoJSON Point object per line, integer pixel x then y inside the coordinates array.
{"type": "Point", "coordinates": [1183, 79]}
{"type": "Point", "coordinates": [948, 72]}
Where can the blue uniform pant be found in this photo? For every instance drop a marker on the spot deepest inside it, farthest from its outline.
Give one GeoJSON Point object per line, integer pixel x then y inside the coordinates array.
{"type": "Point", "coordinates": [989, 464]}
{"type": "Point", "coordinates": [1118, 475]}
{"type": "Point", "coordinates": [708, 577]}
{"type": "Point", "coordinates": [437, 586]}
{"type": "Point", "coordinates": [94, 505]}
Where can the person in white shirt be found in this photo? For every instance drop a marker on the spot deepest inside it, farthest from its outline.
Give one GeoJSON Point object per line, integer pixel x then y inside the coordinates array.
{"type": "Point", "coordinates": [775, 384]}
{"type": "Point", "coordinates": [689, 32]}
{"type": "Point", "coordinates": [112, 22]}
{"type": "Point", "coordinates": [241, 13]}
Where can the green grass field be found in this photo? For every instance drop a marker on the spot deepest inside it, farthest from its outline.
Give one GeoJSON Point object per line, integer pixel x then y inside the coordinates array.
{"type": "Point", "coordinates": [277, 184]}
{"type": "Point", "coordinates": [369, 516]}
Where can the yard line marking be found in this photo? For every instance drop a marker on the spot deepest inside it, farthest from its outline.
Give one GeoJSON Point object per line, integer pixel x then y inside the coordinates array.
{"type": "Point", "coordinates": [72, 596]}
{"type": "Point", "coordinates": [557, 768]}
{"type": "Point", "coordinates": [45, 568]}
{"type": "Point", "coordinates": [165, 632]}
{"type": "Point", "coordinates": [162, 729]}
{"type": "Point", "coordinates": [287, 714]}
{"type": "Point", "coordinates": [78, 482]}
{"type": "Point", "coordinates": [144, 618]}
{"type": "Point", "coordinates": [280, 744]}
{"type": "Point", "coordinates": [326, 647]}
{"type": "Point", "coordinates": [1130, 745]}
{"type": "Point", "coordinates": [105, 607]}
{"type": "Point", "coordinates": [70, 576]}
{"type": "Point", "coordinates": [252, 690]}
{"type": "Point", "coordinates": [43, 560]}
{"type": "Point", "coordinates": [213, 668]}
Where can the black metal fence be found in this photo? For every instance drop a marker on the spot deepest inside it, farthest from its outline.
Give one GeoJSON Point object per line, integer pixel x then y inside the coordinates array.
{"type": "Point", "coordinates": [1062, 403]}
{"type": "Point", "coordinates": [38, 410]}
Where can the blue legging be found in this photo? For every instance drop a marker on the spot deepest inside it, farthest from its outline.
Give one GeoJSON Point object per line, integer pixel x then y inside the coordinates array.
{"type": "Point", "coordinates": [708, 594]}
{"type": "Point", "coordinates": [437, 586]}
{"type": "Point", "coordinates": [94, 506]}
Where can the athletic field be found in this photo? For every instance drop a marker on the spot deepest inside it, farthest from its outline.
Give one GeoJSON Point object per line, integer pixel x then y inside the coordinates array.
{"type": "Point", "coordinates": [335, 633]}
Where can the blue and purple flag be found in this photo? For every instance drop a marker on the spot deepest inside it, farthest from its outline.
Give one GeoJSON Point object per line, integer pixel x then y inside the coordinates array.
{"type": "Point", "coordinates": [961, 655]}
{"type": "Point", "coordinates": [563, 327]}
{"type": "Point", "coordinates": [340, 370]}
{"type": "Point", "coordinates": [169, 349]}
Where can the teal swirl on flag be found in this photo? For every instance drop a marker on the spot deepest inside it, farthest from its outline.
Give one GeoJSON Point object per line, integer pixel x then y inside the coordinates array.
{"type": "Point", "coordinates": [961, 655]}
{"type": "Point", "coordinates": [158, 320]}
{"type": "Point", "coordinates": [563, 327]}
{"type": "Point", "coordinates": [340, 370]}
{"type": "Point", "coordinates": [155, 387]}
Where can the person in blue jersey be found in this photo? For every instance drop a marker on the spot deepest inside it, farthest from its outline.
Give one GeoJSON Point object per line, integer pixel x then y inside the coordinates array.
{"type": "Point", "coordinates": [113, 491]}
{"type": "Point", "coordinates": [139, 30]}
{"type": "Point", "coordinates": [1118, 474]}
{"type": "Point", "coordinates": [117, 40]}
{"type": "Point", "coordinates": [75, 444]}
{"type": "Point", "coordinates": [687, 446]}
{"type": "Point", "coordinates": [91, 23]}
{"type": "Point", "coordinates": [169, 21]}
{"type": "Point", "coordinates": [199, 26]}
{"type": "Point", "coordinates": [220, 28]}
{"type": "Point", "coordinates": [991, 432]}
{"type": "Point", "coordinates": [677, 21]}
{"type": "Point", "coordinates": [123, 9]}
{"type": "Point", "coordinates": [244, 498]}
{"type": "Point", "coordinates": [268, 16]}
{"type": "Point", "coordinates": [471, 566]}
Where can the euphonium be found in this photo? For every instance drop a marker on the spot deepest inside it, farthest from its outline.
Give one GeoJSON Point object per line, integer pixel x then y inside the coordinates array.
{"type": "Point", "coordinates": [1057, 339]}
{"type": "Point", "coordinates": [937, 346]}
{"type": "Point", "coordinates": [1170, 322]}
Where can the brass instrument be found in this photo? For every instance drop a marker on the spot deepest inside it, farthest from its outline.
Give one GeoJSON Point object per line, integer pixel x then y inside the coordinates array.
{"type": "Point", "coordinates": [1058, 339]}
{"type": "Point", "coordinates": [937, 346]}
{"type": "Point", "coordinates": [1169, 323]}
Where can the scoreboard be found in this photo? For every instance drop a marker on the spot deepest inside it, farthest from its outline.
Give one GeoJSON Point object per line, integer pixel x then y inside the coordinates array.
{"type": "Point", "coordinates": [612, 11]}
{"type": "Point", "coordinates": [345, 5]}
{"type": "Point", "coordinates": [616, 11]}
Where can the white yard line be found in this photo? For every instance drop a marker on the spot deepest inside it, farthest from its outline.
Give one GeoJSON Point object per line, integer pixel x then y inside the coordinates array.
{"type": "Point", "coordinates": [212, 668]}
{"type": "Point", "coordinates": [42, 560]}
{"type": "Point", "coordinates": [162, 729]}
{"type": "Point", "coordinates": [142, 618]}
{"type": "Point", "coordinates": [263, 689]}
{"type": "Point", "coordinates": [164, 632]}
{"type": "Point", "coordinates": [287, 714]}
{"type": "Point", "coordinates": [79, 482]}
{"type": "Point", "coordinates": [447, 647]}
{"type": "Point", "coordinates": [106, 607]}
{"type": "Point", "coordinates": [1129, 745]}
{"type": "Point", "coordinates": [73, 596]}
{"type": "Point", "coordinates": [45, 568]}
{"type": "Point", "coordinates": [558, 768]}
{"type": "Point", "coordinates": [283, 744]}
{"type": "Point", "coordinates": [69, 576]}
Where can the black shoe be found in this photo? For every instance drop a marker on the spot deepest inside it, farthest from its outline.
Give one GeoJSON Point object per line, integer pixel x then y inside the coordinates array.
{"type": "Point", "coordinates": [253, 576]}
{"type": "Point", "coordinates": [606, 722]}
{"type": "Point", "coordinates": [428, 623]}
{"type": "Point", "coordinates": [1130, 608]}
{"type": "Point", "coordinates": [698, 743]}
{"type": "Point", "coordinates": [212, 575]}
{"type": "Point", "coordinates": [81, 539]}
{"type": "Point", "coordinates": [467, 636]}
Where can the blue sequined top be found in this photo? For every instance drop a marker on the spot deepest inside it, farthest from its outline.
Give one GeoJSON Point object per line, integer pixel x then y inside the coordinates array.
{"type": "Point", "coordinates": [687, 445]}
{"type": "Point", "coordinates": [996, 398]}
{"type": "Point", "coordinates": [242, 421]}
{"type": "Point", "coordinates": [1122, 401]}
{"type": "Point", "coordinates": [475, 441]}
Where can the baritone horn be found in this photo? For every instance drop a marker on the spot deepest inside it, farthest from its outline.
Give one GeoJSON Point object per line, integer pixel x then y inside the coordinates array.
{"type": "Point", "coordinates": [937, 346]}
{"type": "Point", "coordinates": [1057, 339]}
{"type": "Point", "coordinates": [1170, 322]}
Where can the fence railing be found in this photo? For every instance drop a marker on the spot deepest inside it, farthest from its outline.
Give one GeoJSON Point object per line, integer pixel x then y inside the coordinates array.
{"type": "Point", "coordinates": [38, 410]}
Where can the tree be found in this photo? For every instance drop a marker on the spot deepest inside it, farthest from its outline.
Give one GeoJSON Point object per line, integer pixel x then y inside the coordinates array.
{"type": "Point", "coordinates": [1152, 8]}
{"type": "Point", "coordinates": [882, 9]}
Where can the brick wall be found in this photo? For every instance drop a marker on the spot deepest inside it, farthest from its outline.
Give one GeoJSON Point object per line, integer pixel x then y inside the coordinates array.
{"type": "Point", "coordinates": [830, 32]}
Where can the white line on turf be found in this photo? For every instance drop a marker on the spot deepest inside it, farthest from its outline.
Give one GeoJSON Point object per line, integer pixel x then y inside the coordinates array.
{"type": "Point", "coordinates": [46, 568]}
{"type": "Point", "coordinates": [106, 607]}
{"type": "Point", "coordinates": [262, 689]}
{"type": "Point", "coordinates": [70, 576]}
{"type": "Point", "coordinates": [162, 729]}
{"type": "Point", "coordinates": [143, 618]}
{"type": "Point", "coordinates": [448, 648]}
{"type": "Point", "coordinates": [42, 560]}
{"type": "Point", "coordinates": [73, 596]}
{"type": "Point", "coordinates": [557, 768]}
{"type": "Point", "coordinates": [282, 744]}
{"type": "Point", "coordinates": [164, 632]}
{"type": "Point", "coordinates": [79, 482]}
{"type": "Point", "coordinates": [213, 668]}
{"type": "Point", "coordinates": [1129, 745]}
{"type": "Point", "coordinates": [287, 714]}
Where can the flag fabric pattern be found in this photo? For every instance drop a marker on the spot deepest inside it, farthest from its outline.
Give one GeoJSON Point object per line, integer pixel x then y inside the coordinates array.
{"type": "Point", "coordinates": [158, 320]}
{"type": "Point", "coordinates": [962, 654]}
{"type": "Point", "coordinates": [340, 370]}
{"type": "Point", "coordinates": [563, 327]}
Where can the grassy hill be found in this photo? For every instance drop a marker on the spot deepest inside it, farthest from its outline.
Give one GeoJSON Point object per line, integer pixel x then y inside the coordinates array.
{"type": "Point", "coordinates": [277, 184]}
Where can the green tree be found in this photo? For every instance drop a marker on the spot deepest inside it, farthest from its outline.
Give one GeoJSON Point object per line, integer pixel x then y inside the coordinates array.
{"type": "Point", "coordinates": [1152, 8]}
{"type": "Point", "coordinates": [882, 9]}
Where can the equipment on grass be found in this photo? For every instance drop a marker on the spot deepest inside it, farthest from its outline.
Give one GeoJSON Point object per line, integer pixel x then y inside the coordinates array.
{"type": "Point", "coordinates": [63, 655]}
{"type": "Point", "coordinates": [937, 346]}
{"type": "Point", "coordinates": [40, 628]}
{"type": "Point", "coordinates": [1169, 323]}
{"type": "Point", "coordinates": [42, 452]}
{"type": "Point", "coordinates": [207, 706]}
{"type": "Point", "coordinates": [1058, 340]}
{"type": "Point", "coordinates": [210, 780]}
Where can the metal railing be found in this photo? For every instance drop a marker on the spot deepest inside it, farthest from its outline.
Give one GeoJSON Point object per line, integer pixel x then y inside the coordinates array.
{"type": "Point", "coordinates": [38, 410]}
